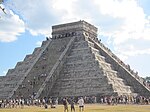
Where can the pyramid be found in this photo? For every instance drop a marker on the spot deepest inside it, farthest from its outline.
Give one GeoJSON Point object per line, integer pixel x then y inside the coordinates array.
{"type": "Point", "coordinates": [71, 63]}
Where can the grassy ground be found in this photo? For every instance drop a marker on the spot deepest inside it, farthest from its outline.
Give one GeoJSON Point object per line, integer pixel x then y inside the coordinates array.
{"type": "Point", "coordinates": [88, 108]}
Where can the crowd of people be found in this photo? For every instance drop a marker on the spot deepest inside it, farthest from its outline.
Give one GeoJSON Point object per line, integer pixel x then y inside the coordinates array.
{"type": "Point", "coordinates": [123, 99]}
{"type": "Point", "coordinates": [43, 102]}
{"type": "Point", "coordinates": [72, 101]}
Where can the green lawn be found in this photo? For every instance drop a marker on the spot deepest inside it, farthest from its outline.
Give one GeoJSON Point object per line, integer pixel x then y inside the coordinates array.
{"type": "Point", "coordinates": [88, 108]}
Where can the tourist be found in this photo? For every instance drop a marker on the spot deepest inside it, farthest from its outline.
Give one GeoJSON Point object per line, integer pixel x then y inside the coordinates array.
{"type": "Point", "coordinates": [81, 104]}
{"type": "Point", "coordinates": [65, 103]}
{"type": "Point", "coordinates": [72, 105]}
{"type": "Point", "coordinates": [22, 103]}
{"type": "Point", "coordinates": [0, 103]}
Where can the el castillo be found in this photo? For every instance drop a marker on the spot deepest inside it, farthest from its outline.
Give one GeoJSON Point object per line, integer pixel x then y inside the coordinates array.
{"type": "Point", "coordinates": [72, 63]}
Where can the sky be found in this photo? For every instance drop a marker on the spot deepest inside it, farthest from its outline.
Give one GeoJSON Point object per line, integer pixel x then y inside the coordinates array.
{"type": "Point", "coordinates": [123, 26]}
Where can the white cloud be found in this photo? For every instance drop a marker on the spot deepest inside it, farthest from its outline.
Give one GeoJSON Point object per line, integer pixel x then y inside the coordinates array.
{"type": "Point", "coordinates": [123, 22]}
{"type": "Point", "coordinates": [133, 17]}
{"type": "Point", "coordinates": [135, 26]}
{"type": "Point", "coordinates": [37, 15]}
{"type": "Point", "coordinates": [40, 16]}
{"type": "Point", "coordinates": [11, 26]}
{"type": "Point", "coordinates": [125, 18]}
{"type": "Point", "coordinates": [132, 50]}
{"type": "Point", "coordinates": [39, 43]}
{"type": "Point", "coordinates": [119, 20]}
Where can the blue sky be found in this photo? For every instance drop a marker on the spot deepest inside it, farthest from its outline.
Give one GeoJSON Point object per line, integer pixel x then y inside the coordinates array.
{"type": "Point", "coordinates": [124, 27]}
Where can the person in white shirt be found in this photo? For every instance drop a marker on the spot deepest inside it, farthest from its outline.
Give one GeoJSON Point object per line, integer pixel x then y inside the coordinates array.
{"type": "Point", "coordinates": [81, 104]}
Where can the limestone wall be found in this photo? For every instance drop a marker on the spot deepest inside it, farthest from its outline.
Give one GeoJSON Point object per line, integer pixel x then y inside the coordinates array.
{"type": "Point", "coordinates": [137, 86]}
{"type": "Point", "coordinates": [73, 29]}
{"type": "Point", "coordinates": [41, 68]}
{"type": "Point", "coordinates": [81, 75]}
{"type": "Point", "coordinates": [15, 76]}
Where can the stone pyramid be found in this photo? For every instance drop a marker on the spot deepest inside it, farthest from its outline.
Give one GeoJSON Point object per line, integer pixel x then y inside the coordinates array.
{"type": "Point", "coordinates": [71, 63]}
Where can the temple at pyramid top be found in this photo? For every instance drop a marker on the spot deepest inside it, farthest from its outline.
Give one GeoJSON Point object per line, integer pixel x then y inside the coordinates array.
{"type": "Point", "coordinates": [72, 63]}
{"type": "Point", "coordinates": [73, 28]}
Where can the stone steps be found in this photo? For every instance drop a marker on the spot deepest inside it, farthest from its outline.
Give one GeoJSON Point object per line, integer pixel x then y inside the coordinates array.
{"type": "Point", "coordinates": [80, 65]}
{"type": "Point", "coordinates": [15, 75]}
{"type": "Point", "coordinates": [81, 51]}
{"type": "Point", "coordinates": [80, 44]}
{"type": "Point", "coordinates": [82, 74]}
{"type": "Point", "coordinates": [115, 76]}
{"type": "Point", "coordinates": [105, 65]}
{"type": "Point", "coordinates": [100, 58]}
{"type": "Point", "coordinates": [43, 65]}
{"type": "Point", "coordinates": [79, 57]}
{"type": "Point", "coordinates": [94, 50]}
{"type": "Point", "coordinates": [84, 91]}
{"type": "Point", "coordinates": [117, 83]}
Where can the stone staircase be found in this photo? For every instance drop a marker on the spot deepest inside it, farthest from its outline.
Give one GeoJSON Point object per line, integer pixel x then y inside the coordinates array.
{"type": "Point", "coordinates": [15, 76]}
{"type": "Point", "coordinates": [47, 85]}
{"type": "Point", "coordinates": [129, 78]}
{"type": "Point", "coordinates": [87, 73]}
{"type": "Point", "coordinates": [118, 84]}
{"type": "Point", "coordinates": [42, 67]}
